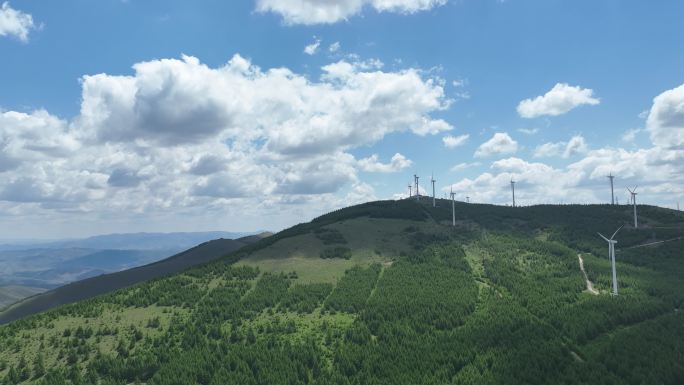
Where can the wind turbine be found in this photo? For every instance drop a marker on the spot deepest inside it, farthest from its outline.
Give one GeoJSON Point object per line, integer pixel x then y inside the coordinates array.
{"type": "Point", "coordinates": [634, 194]}
{"type": "Point", "coordinates": [415, 178]}
{"type": "Point", "coordinates": [612, 195]}
{"type": "Point", "coordinates": [410, 190]}
{"type": "Point", "coordinates": [513, 190]}
{"type": "Point", "coordinates": [432, 179]}
{"type": "Point", "coordinates": [467, 199]}
{"type": "Point", "coordinates": [611, 255]}
{"type": "Point", "coordinates": [453, 207]}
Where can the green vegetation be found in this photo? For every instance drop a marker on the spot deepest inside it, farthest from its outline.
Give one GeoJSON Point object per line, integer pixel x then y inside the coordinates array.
{"type": "Point", "coordinates": [330, 236]}
{"type": "Point", "coordinates": [305, 298]}
{"type": "Point", "coordinates": [498, 300]}
{"type": "Point", "coordinates": [336, 252]}
{"type": "Point", "coordinates": [353, 290]}
{"type": "Point", "coordinates": [268, 292]}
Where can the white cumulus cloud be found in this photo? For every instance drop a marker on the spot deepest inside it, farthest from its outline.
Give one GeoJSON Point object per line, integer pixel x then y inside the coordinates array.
{"type": "Point", "coordinates": [559, 100]}
{"type": "Point", "coordinates": [331, 11]}
{"type": "Point", "coordinates": [15, 23]}
{"type": "Point", "coordinates": [631, 134]}
{"type": "Point", "coordinates": [576, 145]}
{"type": "Point", "coordinates": [174, 102]}
{"type": "Point", "coordinates": [464, 166]}
{"type": "Point", "coordinates": [528, 131]}
{"type": "Point", "coordinates": [665, 121]}
{"type": "Point", "coordinates": [312, 48]}
{"type": "Point", "coordinates": [372, 164]}
{"type": "Point", "coordinates": [501, 143]}
{"type": "Point", "coordinates": [549, 149]}
{"type": "Point", "coordinates": [455, 141]}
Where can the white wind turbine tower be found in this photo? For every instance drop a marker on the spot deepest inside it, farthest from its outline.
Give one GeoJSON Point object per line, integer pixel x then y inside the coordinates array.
{"type": "Point", "coordinates": [453, 207]}
{"type": "Point", "coordinates": [416, 178]}
{"type": "Point", "coordinates": [410, 190]}
{"type": "Point", "coordinates": [432, 179]}
{"type": "Point", "coordinates": [612, 195]}
{"type": "Point", "coordinates": [634, 194]}
{"type": "Point", "coordinates": [513, 190]}
{"type": "Point", "coordinates": [611, 255]}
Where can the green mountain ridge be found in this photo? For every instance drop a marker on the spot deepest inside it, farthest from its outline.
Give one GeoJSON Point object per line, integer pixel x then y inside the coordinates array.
{"type": "Point", "coordinates": [389, 292]}
{"type": "Point", "coordinates": [106, 283]}
{"type": "Point", "coordinates": [10, 294]}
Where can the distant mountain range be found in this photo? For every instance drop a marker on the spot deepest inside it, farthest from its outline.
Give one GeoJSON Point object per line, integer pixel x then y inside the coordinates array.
{"type": "Point", "coordinates": [106, 283]}
{"type": "Point", "coordinates": [126, 241]}
{"type": "Point", "coordinates": [29, 266]}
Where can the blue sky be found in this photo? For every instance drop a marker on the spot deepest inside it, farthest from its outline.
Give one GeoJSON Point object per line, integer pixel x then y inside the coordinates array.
{"type": "Point", "coordinates": [250, 131]}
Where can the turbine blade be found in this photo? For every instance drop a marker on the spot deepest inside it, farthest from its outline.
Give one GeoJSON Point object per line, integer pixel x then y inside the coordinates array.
{"type": "Point", "coordinates": [616, 231]}
{"type": "Point", "coordinates": [607, 240]}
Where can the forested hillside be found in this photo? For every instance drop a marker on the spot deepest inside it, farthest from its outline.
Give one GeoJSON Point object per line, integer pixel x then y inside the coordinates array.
{"type": "Point", "coordinates": [389, 293]}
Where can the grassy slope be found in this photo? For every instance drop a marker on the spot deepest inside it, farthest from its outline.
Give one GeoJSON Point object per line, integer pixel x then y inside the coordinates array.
{"type": "Point", "coordinates": [522, 262]}
{"type": "Point", "coordinates": [372, 240]}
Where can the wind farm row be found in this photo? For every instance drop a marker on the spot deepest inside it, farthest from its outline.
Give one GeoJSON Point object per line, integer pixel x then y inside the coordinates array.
{"type": "Point", "coordinates": [414, 192]}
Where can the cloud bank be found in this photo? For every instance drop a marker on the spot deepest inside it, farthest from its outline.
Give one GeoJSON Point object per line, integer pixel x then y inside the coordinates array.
{"type": "Point", "coordinates": [178, 135]}
{"type": "Point", "coordinates": [658, 169]}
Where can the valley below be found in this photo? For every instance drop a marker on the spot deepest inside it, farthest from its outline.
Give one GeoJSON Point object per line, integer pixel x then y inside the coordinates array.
{"type": "Point", "coordinates": [32, 267]}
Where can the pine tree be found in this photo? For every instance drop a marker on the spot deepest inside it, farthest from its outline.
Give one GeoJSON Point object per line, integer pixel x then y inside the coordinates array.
{"type": "Point", "coordinates": [23, 369]}
{"type": "Point", "coordinates": [251, 338]}
{"type": "Point", "coordinates": [12, 376]}
{"type": "Point", "coordinates": [39, 366]}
